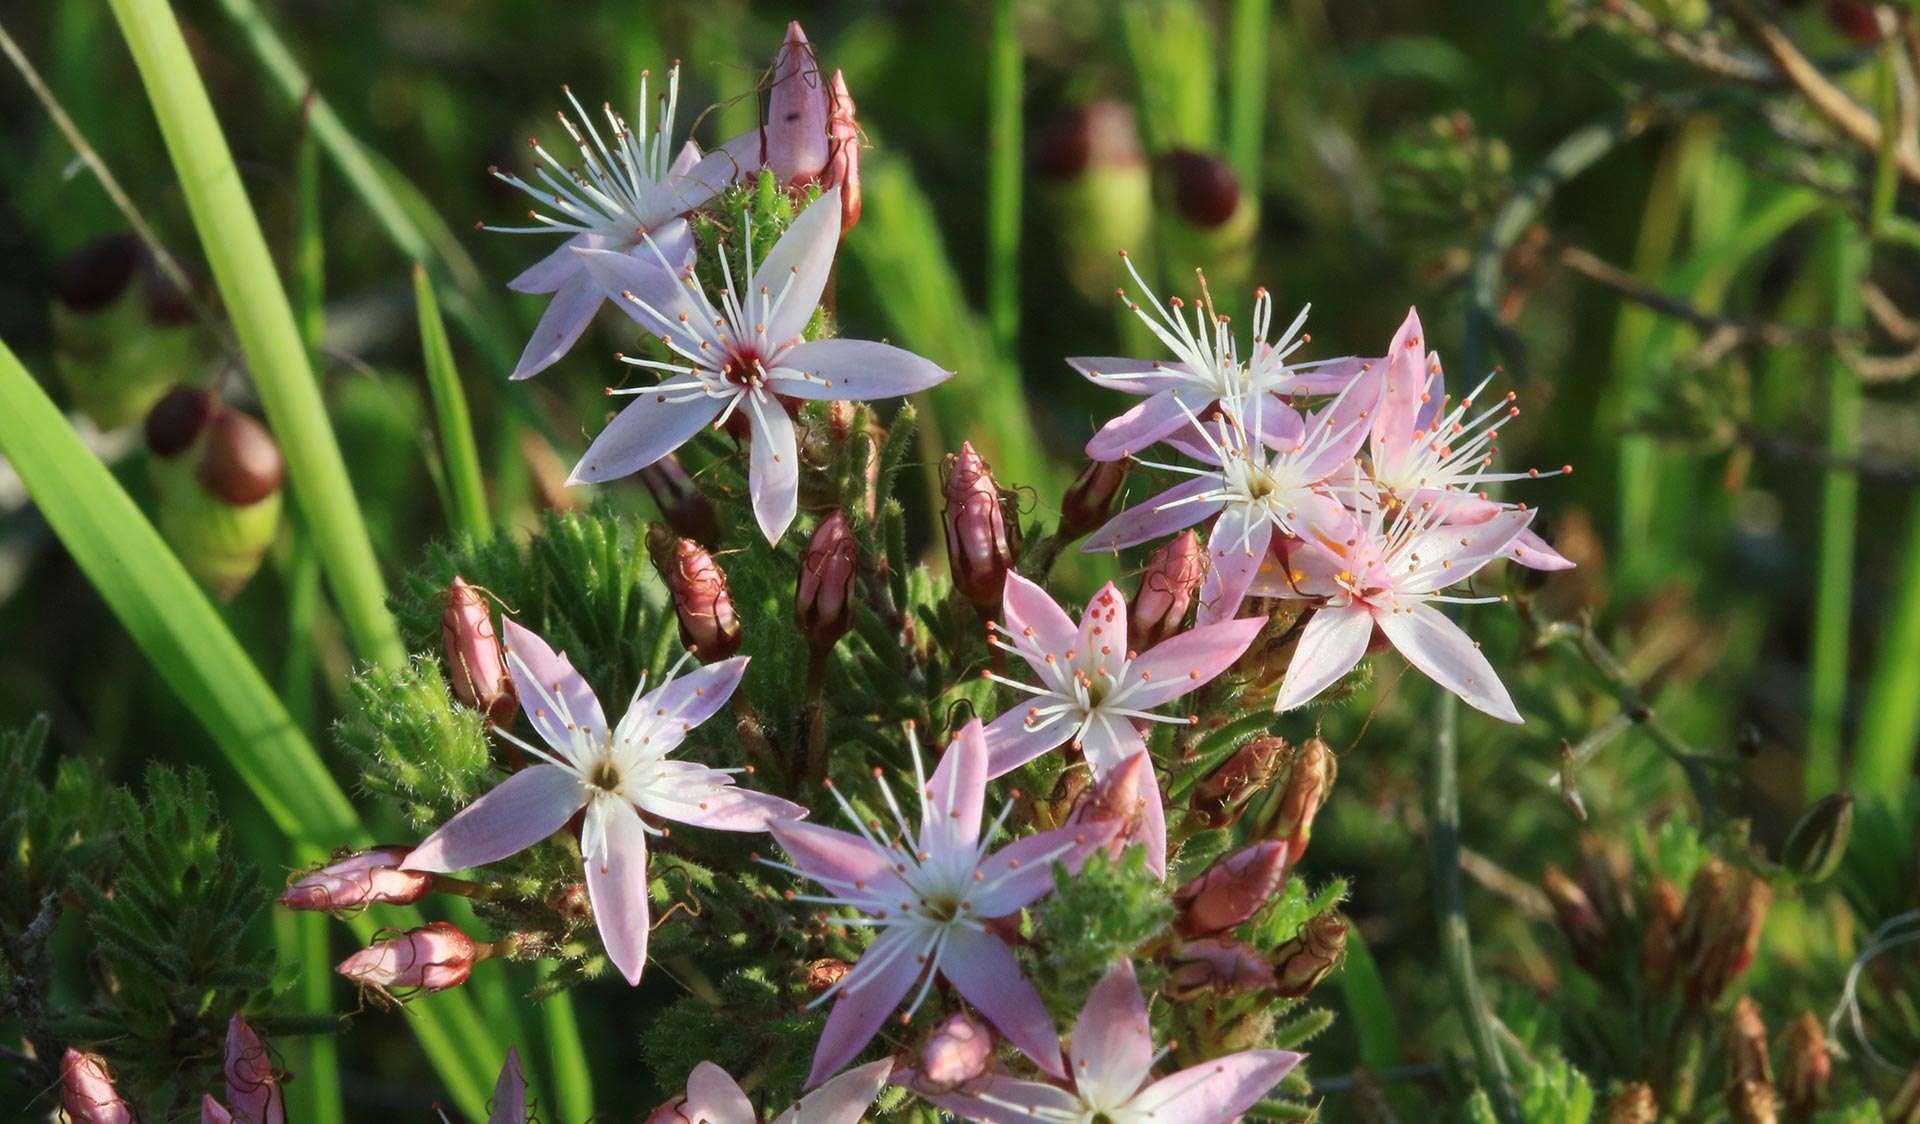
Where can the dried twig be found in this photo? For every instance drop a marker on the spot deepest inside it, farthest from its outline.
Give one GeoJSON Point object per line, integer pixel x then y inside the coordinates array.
{"type": "Point", "coordinates": [1741, 330]}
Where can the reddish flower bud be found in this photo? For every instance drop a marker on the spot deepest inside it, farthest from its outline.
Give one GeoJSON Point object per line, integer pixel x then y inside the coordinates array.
{"type": "Point", "coordinates": [434, 957]}
{"type": "Point", "coordinates": [843, 159]}
{"type": "Point", "coordinates": [1221, 797]}
{"type": "Point", "coordinates": [1752, 1102]}
{"type": "Point", "coordinates": [1578, 920]}
{"type": "Point", "coordinates": [959, 1050]}
{"type": "Point", "coordinates": [477, 670]}
{"type": "Point", "coordinates": [978, 550]}
{"type": "Point", "coordinates": [1817, 843]}
{"type": "Point", "coordinates": [1807, 1067]}
{"type": "Point", "coordinates": [1720, 929]}
{"type": "Point", "coordinates": [797, 113]}
{"type": "Point", "coordinates": [682, 504]}
{"type": "Point", "coordinates": [371, 877]}
{"type": "Point", "coordinates": [1120, 798]}
{"type": "Point", "coordinates": [240, 463]}
{"type": "Point", "coordinates": [1745, 1040]}
{"type": "Point", "coordinates": [823, 604]}
{"type": "Point", "coordinates": [218, 474]}
{"type": "Point", "coordinates": [1659, 960]}
{"type": "Point", "coordinates": [1855, 19]}
{"type": "Point", "coordinates": [1099, 133]}
{"type": "Point", "coordinates": [213, 1112]}
{"type": "Point", "coordinates": [1167, 591]}
{"type": "Point", "coordinates": [1204, 188]}
{"type": "Point", "coordinates": [178, 419]}
{"type": "Point", "coordinates": [1632, 1105]}
{"type": "Point", "coordinates": [95, 275]}
{"type": "Point", "coordinates": [1287, 809]}
{"type": "Point", "coordinates": [1301, 963]}
{"type": "Point", "coordinates": [1089, 500]}
{"type": "Point", "coordinates": [253, 1092]}
{"type": "Point", "coordinates": [708, 625]}
{"type": "Point", "coordinates": [87, 1093]}
{"type": "Point", "coordinates": [1217, 967]}
{"type": "Point", "coordinates": [1231, 891]}
{"type": "Point", "coordinates": [823, 974]}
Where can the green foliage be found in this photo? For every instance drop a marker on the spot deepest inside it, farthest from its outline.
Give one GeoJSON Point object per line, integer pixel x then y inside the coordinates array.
{"type": "Point", "coordinates": [49, 834]}
{"type": "Point", "coordinates": [1294, 907]}
{"type": "Point", "coordinates": [748, 1025]}
{"type": "Point", "coordinates": [413, 744]}
{"type": "Point", "coordinates": [1093, 919]}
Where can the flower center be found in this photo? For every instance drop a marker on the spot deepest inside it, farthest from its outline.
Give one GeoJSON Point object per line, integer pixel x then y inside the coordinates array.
{"type": "Point", "coordinates": [604, 776]}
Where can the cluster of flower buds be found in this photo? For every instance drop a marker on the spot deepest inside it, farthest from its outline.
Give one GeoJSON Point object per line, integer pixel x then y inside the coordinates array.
{"type": "Point", "coordinates": [87, 1093]}
{"type": "Point", "coordinates": [958, 1050]}
{"type": "Point", "coordinates": [1719, 929]}
{"type": "Point", "coordinates": [1168, 589]}
{"type": "Point", "coordinates": [1282, 786]}
{"type": "Point", "coordinates": [701, 600]}
{"type": "Point", "coordinates": [434, 957]}
{"type": "Point", "coordinates": [218, 473]}
{"type": "Point", "coordinates": [1592, 906]}
{"type": "Point", "coordinates": [358, 880]}
{"type": "Point", "coordinates": [823, 602]}
{"type": "Point", "coordinates": [683, 506]}
{"type": "Point", "coordinates": [122, 332]}
{"type": "Point", "coordinates": [1095, 178]}
{"type": "Point", "coordinates": [476, 666]}
{"type": "Point", "coordinates": [980, 536]}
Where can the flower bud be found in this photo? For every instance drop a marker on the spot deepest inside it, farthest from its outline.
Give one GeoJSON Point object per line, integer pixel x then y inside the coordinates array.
{"type": "Point", "coordinates": [683, 506]}
{"type": "Point", "coordinates": [218, 473]}
{"type": "Point", "coordinates": [1120, 798]}
{"type": "Point", "coordinates": [959, 1050]}
{"type": "Point", "coordinates": [253, 1092]}
{"type": "Point", "coordinates": [1578, 920]}
{"type": "Point", "coordinates": [1221, 797]}
{"type": "Point", "coordinates": [797, 112]}
{"type": "Point", "coordinates": [178, 418]}
{"type": "Point", "coordinates": [213, 1112]}
{"type": "Point", "coordinates": [1659, 959]}
{"type": "Point", "coordinates": [1752, 1102]}
{"type": "Point", "coordinates": [434, 957]}
{"type": "Point", "coordinates": [1044, 812]}
{"type": "Point", "coordinates": [476, 668]}
{"type": "Point", "coordinates": [1231, 891]}
{"type": "Point", "coordinates": [1215, 966]}
{"type": "Point", "coordinates": [1096, 182]}
{"type": "Point", "coordinates": [1719, 929]}
{"type": "Point", "coordinates": [843, 154]}
{"type": "Point", "coordinates": [1168, 588]}
{"type": "Point", "coordinates": [371, 877]}
{"type": "Point", "coordinates": [823, 974]}
{"type": "Point", "coordinates": [1632, 1105]}
{"type": "Point", "coordinates": [1286, 810]}
{"type": "Point", "coordinates": [87, 1093]}
{"type": "Point", "coordinates": [241, 463]}
{"type": "Point", "coordinates": [1205, 191]}
{"type": "Point", "coordinates": [1301, 963]}
{"type": "Point", "coordinates": [1745, 1041]}
{"type": "Point", "coordinates": [978, 550]}
{"type": "Point", "coordinates": [701, 600]}
{"type": "Point", "coordinates": [122, 332]}
{"type": "Point", "coordinates": [1817, 843]}
{"type": "Point", "coordinates": [1210, 220]}
{"type": "Point", "coordinates": [1806, 1067]}
{"type": "Point", "coordinates": [823, 604]}
{"type": "Point", "coordinates": [1089, 500]}
{"type": "Point", "coordinates": [1858, 20]}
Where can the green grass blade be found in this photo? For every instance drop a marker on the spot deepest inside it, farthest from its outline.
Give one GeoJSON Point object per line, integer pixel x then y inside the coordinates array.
{"type": "Point", "coordinates": [192, 649]}
{"type": "Point", "coordinates": [567, 1070]}
{"type": "Point", "coordinates": [1890, 717]}
{"type": "Point", "coordinates": [1005, 82]}
{"type": "Point", "coordinates": [1247, 91]}
{"type": "Point", "coordinates": [256, 303]}
{"type": "Point", "coordinates": [462, 456]}
{"type": "Point", "coordinates": [1369, 1007]}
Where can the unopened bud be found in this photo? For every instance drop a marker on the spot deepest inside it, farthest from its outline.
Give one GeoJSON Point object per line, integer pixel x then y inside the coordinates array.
{"type": "Point", "coordinates": [241, 463]}
{"type": "Point", "coordinates": [434, 957]}
{"type": "Point", "coordinates": [1659, 957]}
{"type": "Point", "coordinates": [797, 113]}
{"type": "Point", "coordinates": [959, 1050]}
{"type": "Point", "coordinates": [1574, 913]}
{"type": "Point", "coordinates": [1752, 1102]}
{"type": "Point", "coordinates": [1168, 589]}
{"type": "Point", "coordinates": [1720, 928]}
{"type": "Point", "coordinates": [979, 552]}
{"type": "Point", "coordinates": [178, 418]}
{"type": "Point", "coordinates": [253, 1092]}
{"type": "Point", "coordinates": [1745, 1041]}
{"type": "Point", "coordinates": [823, 974]}
{"type": "Point", "coordinates": [218, 473]}
{"type": "Point", "coordinates": [1205, 191]}
{"type": "Point", "coordinates": [683, 506]}
{"type": "Point", "coordinates": [122, 332]}
{"type": "Point", "coordinates": [1632, 1105]}
{"type": "Point", "coordinates": [1099, 189]}
{"type": "Point", "coordinates": [823, 604]}
{"type": "Point", "coordinates": [1215, 967]}
{"type": "Point", "coordinates": [1301, 963]}
{"type": "Point", "coordinates": [1858, 20]}
{"type": "Point", "coordinates": [1286, 810]}
{"type": "Point", "coordinates": [1222, 796]}
{"type": "Point", "coordinates": [371, 877]}
{"type": "Point", "coordinates": [1231, 891]}
{"type": "Point", "coordinates": [1818, 842]}
{"type": "Point", "coordinates": [1119, 798]}
{"type": "Point", "coordinates": [1089, 500]}
{"type": "Point", "coordinates": [476, 668]}
{"type": "Point", "coordinates": [213, 1112]}
{"type": "Point", "coordinates": [1055, 808]}
{"type": "Point", "coordinates": [843, 154]}
{"type": "Point", "coordinates": [87, 1093]}
{"type": "Point", "coordinates": [1806, 1067]}
{"type": "Point", "coordinates": [709, 627]}
{"type": "Point", "coordinates": [1212, 221]}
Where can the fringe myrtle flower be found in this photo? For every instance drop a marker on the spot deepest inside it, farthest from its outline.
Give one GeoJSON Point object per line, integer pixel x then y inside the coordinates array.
{"type": "Point", "coordinates": [510, 1092]}
{"type": "Point", "coordinates": [1386, 573]}
{"type": "Point", "coordinates": [714, 1097]}
{"type": "Point", "coordinates": [1113, 1082]}
{"type": "Point", "coordinates": [743, 353]}
{"type": "Point", "coordinates": [625, 197]}
{"type": "Point", "coordinates": [615, 773]}
{"type": "Point", "coordinates": [253, 1092]}
{"type": "Point", "coordinates": [1250, 489]}
{"type": "Point", "coordinates": [1425, 449]}
{"type": "Point", "coordinates": [1207, 368]}
{"type": "Point", "coordinates": [86, 1091]}
{"type": "Point", "coordinates": [1231, 891]}
{"type": "Point", "coordinates": [434, 957]}
{"type": "Point", "coordinates": [370, 877]}
{"type": "Point", "coordinates": [929, 894]}
{"type": "Point", "coordinates": [1093, 687]}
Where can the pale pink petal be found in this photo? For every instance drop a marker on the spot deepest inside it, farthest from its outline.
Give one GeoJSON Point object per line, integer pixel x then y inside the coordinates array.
{"type": "Point", "coordinates": [1325, 377]}
{"type": "Point", "coordinates": [521, 811]}
{"type": "Point", "coordinates": [554, 270]}
{"type": "Point", "coordinates": [1218, 1091]}
{"type": "Point", "coordinates": [714, 1097]}
{"type": "Point", "coordinates": [773, 479]}
{"type": "Point", "coordinates": [1021, 873]}
{"type": "Point", "coordinates": [1134, 376]}
{"type": "Point", "coordinates": [1112, 1048]}
{"type": "Point", "coordinates": [683, 162]}
{"type": "Point", "coordinates": [1535, 553]}
{"type": "Point", "coordinates": [984, 971]}
{"type": "Point", "coordinates": [1174, 667]}
{"type": "Point", "coordinates": [1110, 742]}
{"type": "Point", "coordinates": [1172, 510]}
{"type": "Point", "coordinates": [956, 793]}
{"type": "Point", "coordinates": [681, 704]}
{"type": "Point", "coordinates": [1003, 1100]}
{"type": "Point", "coordinates": [717, 170]}
{"type": "Point", "coordinates": [1011, 742]}
{"type": "Point", "coordinates": [649, 428]}
{"type": "Point", "coordinates": [1448, 656]}
{"type": "Point", "coordinates": [560, 327]}
{"type": "Point", "coordinates": [1334, 640]}
{"type": "Point", "coordinates": [617, 886]}
{"type": "Point", "coordinates": [879, 981]}
{"type": "Point", "coordinates": [1436, 398]}
{"type": "Point", "coordinates": [802, 258]}
{"type": "Point", "coordinates": [1030, 609]}
{"type": "Point", "coordinates": [1453, 552]}
{"type": "Point", "coordinates": [1338, 430]}
{"type": "Point", "coordinates": [510, 1093]}
{"type": "Point", "coordinates": [843, 1100]}
{"type": "Point", "coordinates": [860, 370]}
{"type": "Point", "coordinates": [797, 112]}
{"type": "Point", "coordinates": [643, 273]}
{"type": "Point", "coordinates": [552, 693]}
{"type": "Point", "coordinates": [1282, 427]}
{"type": "Point", "coordinates": [1149, 421]}
{"type": "Point", "coordinates": [1404, 380]}
{"type": "Point", "coordinates": [1102, 634]}
{"type": "Point", "coordinates": [211, 1111]}
{"type": "Point", "coordinates": [708, 798]}
{"type": "Point", "coordinates": [1235, 549]}
{"type": "Point", "coordinates": [1152, 833]}
{"type": "Point", "coordinates": [846, 864]}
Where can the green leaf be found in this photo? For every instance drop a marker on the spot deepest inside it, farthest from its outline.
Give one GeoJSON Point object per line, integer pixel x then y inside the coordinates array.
{"type": "Point", "coordinates": [469, 514]}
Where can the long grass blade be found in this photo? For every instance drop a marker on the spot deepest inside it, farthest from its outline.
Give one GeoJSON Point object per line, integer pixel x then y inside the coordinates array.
{"type": "Point", "coordinates": [464, 482]}
{"type": "Point", "coordinates": [1006, 80]}
{"type": "Point", "coordinates": [1250, 33]}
